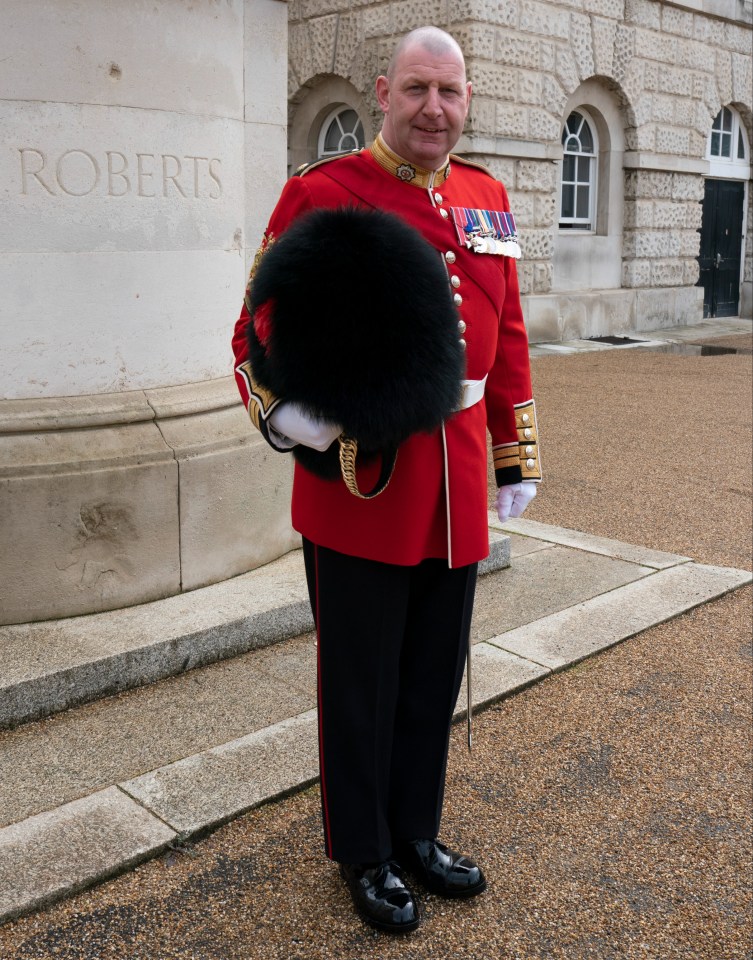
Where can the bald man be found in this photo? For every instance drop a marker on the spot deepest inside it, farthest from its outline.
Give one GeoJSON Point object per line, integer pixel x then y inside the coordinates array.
{"type": "Point", "coordinates": [392, 579]}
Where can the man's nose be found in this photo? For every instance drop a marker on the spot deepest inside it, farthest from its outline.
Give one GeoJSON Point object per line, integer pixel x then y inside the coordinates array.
{"type": "Point", "coordinates": [432, 104]}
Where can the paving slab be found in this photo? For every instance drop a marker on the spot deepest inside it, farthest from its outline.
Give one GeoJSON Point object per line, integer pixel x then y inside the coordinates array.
{"type": "Point", "coordinates": [495, 674]}
{"type": "Point", "coordinates": [550, 534]}
{"type": "Point", "coordinates": [543, 582]}
{"type": "Point", "coordinates": [569, 636]}
{"type": "Point", "coordinates": [51, 666]}
{"type": "Point", "coordinates": [212, 787]}
{"type": "Point", "coordinates": [63, 851]}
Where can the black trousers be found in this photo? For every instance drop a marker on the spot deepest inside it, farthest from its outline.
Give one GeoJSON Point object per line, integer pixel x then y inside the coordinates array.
{"type": "Point", "coordinates": [391, 651]}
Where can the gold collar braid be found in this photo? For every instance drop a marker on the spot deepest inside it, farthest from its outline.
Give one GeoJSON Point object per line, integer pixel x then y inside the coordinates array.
{"type": "Point", "coordinates": [407, 172]}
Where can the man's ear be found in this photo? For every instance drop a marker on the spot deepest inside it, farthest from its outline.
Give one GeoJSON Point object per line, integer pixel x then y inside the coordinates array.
{"type": "Point", "coordinates": [468, 93]}
{"type": "Point", "coordinates": [383, 93]}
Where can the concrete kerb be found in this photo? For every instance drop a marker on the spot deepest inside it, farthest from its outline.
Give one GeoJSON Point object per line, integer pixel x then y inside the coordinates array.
{"type": "Point", "coordinates": [51, 666]}
{"type": "Point", "coordinates": [193, 796]}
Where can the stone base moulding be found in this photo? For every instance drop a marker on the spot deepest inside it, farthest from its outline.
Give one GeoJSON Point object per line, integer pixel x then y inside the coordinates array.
{"type": "Point", "coordinates": [118, 499]}
{"type": "Point", "coordinates": [582, 314]}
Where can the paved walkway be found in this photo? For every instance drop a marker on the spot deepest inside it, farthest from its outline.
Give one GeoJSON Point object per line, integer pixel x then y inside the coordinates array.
{"type": "Point", "coordinates": [92, 791]}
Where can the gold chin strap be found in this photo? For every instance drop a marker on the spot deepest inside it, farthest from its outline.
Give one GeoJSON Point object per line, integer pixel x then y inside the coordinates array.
{"type": "Point", "coordinates": [348, 453]}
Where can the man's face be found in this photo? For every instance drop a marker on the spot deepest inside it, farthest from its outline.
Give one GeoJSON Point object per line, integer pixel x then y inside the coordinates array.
{"type": "Point", "coordinates": [425, 104]}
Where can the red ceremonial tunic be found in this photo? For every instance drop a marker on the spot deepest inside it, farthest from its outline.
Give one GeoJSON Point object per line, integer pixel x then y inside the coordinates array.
{"type": "Point", "coordinates": [436, 502]}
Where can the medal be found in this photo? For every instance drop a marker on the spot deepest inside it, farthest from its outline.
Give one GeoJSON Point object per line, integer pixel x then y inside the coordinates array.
{"type": "Point", "coordinates": [487, 231]}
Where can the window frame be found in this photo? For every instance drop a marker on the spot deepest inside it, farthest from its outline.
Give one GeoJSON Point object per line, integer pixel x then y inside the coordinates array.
{"type": "Point", "coordinates": [575, 224]}
{"type": "Point", "coordinates": [332, 117]}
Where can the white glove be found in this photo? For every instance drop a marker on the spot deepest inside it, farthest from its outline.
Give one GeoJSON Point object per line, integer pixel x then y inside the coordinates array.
{"type": "Point", "coordinates": [291, 425]}
{"type": "Point", "coordinates": [514, 498]}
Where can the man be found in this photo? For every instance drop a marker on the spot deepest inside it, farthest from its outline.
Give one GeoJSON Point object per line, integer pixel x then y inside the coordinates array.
{"type": "Point", "coordinates": [392, 579]}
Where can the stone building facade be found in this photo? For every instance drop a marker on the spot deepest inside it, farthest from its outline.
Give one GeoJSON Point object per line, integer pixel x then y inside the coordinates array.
{"type": "Point", "coordinates": [648, 77]}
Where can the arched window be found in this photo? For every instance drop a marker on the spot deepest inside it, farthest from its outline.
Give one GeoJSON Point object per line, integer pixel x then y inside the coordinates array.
{"type": "Point", "coordinates": [727, 141]}
{"type": "Point", "coordinates": [342, 130]}
{"type": "Point", "coordinates": [579, 173]}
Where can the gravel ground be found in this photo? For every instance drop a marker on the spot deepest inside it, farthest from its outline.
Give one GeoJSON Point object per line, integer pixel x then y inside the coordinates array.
{"type": "Point", "coordinates": [610, 805]}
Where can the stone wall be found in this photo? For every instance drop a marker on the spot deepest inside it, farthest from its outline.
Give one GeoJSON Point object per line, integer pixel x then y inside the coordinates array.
{"type": "Point", "coordinates": [668, 69]}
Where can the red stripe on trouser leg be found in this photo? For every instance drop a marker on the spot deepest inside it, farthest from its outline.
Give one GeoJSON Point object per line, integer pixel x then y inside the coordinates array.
{"type": "Point", "coordinates": [322, 777]}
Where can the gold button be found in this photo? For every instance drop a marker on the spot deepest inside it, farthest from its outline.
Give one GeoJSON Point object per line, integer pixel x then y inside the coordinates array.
{"type": "Point", "coordinates": [458, 299]}
{"type": "Point", "coordinates": [455, 281]}
{"type": "Point", "coordinates": [526, 418]}
{"type": "Point", "coordinates": [462, 343]}
{"type": "Point", "coordinates": [444, 213]}
{"type": "Point", "coordinates": [461, 326]}
{"type": "Point", "coordinates": [530, 464]}
{"type": "Point", "coordinates": [450, 257]}
{"type": "Point", "coordinates": [528, 434]}
{"type": "Point", "coordinates": [529, 451]}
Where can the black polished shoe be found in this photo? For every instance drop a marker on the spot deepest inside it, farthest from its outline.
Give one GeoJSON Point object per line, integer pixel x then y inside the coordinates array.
{"type": "Point", "coordinates": [440, 870]}
{"type": "Point", "coordinates": [380, 896]}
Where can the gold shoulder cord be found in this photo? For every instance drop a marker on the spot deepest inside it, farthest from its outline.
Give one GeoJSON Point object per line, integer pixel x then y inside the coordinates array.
{"type": "Point", "coordinates": [348, 453]}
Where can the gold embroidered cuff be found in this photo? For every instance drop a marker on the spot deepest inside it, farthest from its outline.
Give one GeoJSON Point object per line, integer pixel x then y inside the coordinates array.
{"type": "Point", "coordinates": [261, 402]}
{"type": "Point", "coordinates": [528, 440]}
{"type": "Point", "coordinates": [505, 455]}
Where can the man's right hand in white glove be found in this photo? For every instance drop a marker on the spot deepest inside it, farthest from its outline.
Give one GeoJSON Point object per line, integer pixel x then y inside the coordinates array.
{"type": "Point", "coordinates": [291, 425]}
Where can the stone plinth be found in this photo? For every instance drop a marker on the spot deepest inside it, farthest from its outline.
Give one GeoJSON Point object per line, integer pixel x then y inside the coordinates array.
{"type": "Point", "coordinates": [141, 149]}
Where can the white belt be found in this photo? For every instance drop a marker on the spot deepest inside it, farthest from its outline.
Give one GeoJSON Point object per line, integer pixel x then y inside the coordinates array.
{"type": "Point", "coordinates": [472, 392]}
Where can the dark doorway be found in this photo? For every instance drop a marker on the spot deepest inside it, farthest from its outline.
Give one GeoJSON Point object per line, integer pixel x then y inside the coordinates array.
{"type": "Point", "coordinates": [721, 247]}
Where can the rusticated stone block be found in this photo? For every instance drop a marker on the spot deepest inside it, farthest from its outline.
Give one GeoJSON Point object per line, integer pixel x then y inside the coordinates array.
{"type": "Point", "coordinates": [737, 38]}
{"type": "Point", "coordinates": [349, 39]}
{"type": "Point", "coordinates": [650, 77]}
{"type": "Point", "coordinates": [522, 205]}
{"type": "Point", "coordinates": [642, 138]}
{"type": "Point", "coordinates": [690, 241]}
{"type": "Point", "coordinates": [643, 110]}
{"type": "Point", "coordinates": [377, 21]}
{"type": "Point", "coordinates": [535, 175]}
{"type": "Point", "coordinates": [323, 33]}
{"type": "Point", "coordinates": [604, 38]}
{"type": "Point", "coordinates": [516, 51]}
{"type": "Point", "coordinates": [742, 77]}
{"type": "Point", "coordinates": [477, 41]}
{"type": "Point", "coordinates": [581, 42]}
{"type": "Point", "coordinates": [646, 13]}
{"type": "Point", "coordinates": [672, 140]}
{"type": "Point", "coordinates": [687, 186]}
{"type": "Point", "coordinates": [634, 80]}
{"type": "Point", "coordinates": [624, 48]}
{"type": "Point", "coordinates": [638, 213]}
{"type": "Point", "coordinates": [723, 74]}
{"type": "Point", "coordinates": [511, 121]}
{"type": "Point", "coordinates": [669, 215]}
{"type": "Point", "coordinates": [615, 9]}
{"type": "Point", "coordinates": [651, 244]}
{"type": "Point", "coordinates": [483, 115]}
{"type": "Point", "coordinates": [311, 9]}
{"type": "Point", "coordinates": [692, 53]}
{"type": "Point", "coordinates": [655, 46]}
{"type": "Point", "coordinates": [677, 21]}
{"type": "Point", "coordinates": [530, 87]}
{"type": "Point", "coordinates": [675, 80]}
{"type": "Point", "coordinates": [666, 273]}
{"type": "Point", "coordinates": [537, 244]}
{"type": "Point", "coordinates": [679, 111]}
{"type": "Point", "coordinates": [300, 59]}
{"type": "Point", "coordinates": [542, 277]}
{"type": "Point", "coordinates": [553, 96]}
{"type": "Point", "coordinates": [503, 170]}
{"type": "Point", "coordinates": [648, 184]}
{"type": "Point", "coordinates": [693, 216]}
{"type": "Point", "coordinates": [408, 14]}
{"type": "Point", "coordinates": [636, 273]}
{"type": "Point", "coordinates": [525, 277]}
{"type": "Point", "coordinates": [544, 19]}
{"type": "Point", "coordinates": [543, 126]}
{"type": "Point", "coordinates": [566, 69]}
{"type": "Point", "coordinates": [691, 271]}
{"type": "Point", "coordinates": [493, 80]}
{"type": "Point", "coordinates": [709, 31]}
{"type": "Point", "coordinates": [544, 210]}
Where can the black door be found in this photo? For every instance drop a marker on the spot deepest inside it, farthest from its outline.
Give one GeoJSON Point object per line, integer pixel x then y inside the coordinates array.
{"type": "Point", "coordinates": [721, 246]}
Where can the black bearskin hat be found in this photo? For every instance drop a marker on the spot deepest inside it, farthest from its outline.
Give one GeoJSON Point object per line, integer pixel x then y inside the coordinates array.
{"type": "Point", "coordinates": [360, 328]}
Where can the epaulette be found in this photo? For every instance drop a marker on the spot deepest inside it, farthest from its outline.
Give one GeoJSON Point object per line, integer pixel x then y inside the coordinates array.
{"type": "Point", "coordinates": [308, 167]}
{"type": "Point", "coordinates": [454, 158]}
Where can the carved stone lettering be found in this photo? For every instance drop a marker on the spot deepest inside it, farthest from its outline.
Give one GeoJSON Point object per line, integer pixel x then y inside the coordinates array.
{"type": "Point", "coordinates": [82, 173]}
